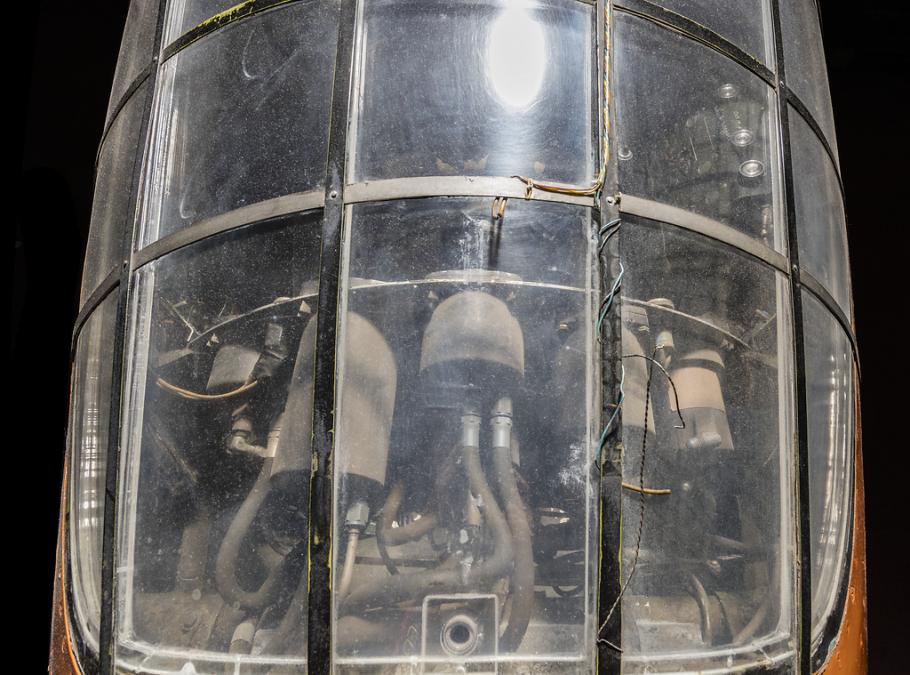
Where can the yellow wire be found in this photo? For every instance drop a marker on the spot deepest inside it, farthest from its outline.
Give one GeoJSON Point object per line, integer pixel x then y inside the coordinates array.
{"type": "Point", "coordinates": [597, 185]}
{"type": "Point", "coordinates": [647, 491]}
{"type": "Point", "coordinates": [195, 396]}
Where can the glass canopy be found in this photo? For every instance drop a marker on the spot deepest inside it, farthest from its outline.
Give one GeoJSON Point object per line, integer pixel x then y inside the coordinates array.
{"type": "Point", "coordinates": [384, 259]}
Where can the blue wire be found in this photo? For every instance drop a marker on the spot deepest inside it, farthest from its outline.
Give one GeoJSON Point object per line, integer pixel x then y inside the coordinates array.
{"type": "Point", "coordinates": [609, 427]}
{"type": "Point", "coordinates": [608, 301]}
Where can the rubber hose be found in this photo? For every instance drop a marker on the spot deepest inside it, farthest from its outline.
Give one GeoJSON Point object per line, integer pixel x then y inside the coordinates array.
{"type": "Point", "coordinates": [407, 587]}
{"type": "Point", "coordinates": [226, 563]}
{"type": "Point", "coordinates": [522, 581]}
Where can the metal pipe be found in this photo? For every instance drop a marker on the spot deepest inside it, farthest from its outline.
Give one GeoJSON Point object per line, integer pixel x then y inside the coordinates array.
{"type": "Point", "coordinates": [522, 581]}
{"type": "Point", "coordinates": [704, 608]}
{"type": "Point", "coordinates": [347, 572]}
{"type": "Point", "coordinates": [407, 587]}
{"type": "Point", "coordinates": [226, 563]}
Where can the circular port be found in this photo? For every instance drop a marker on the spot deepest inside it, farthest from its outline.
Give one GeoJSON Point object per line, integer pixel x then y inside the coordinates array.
{"type": "Point", "coordinates": [742, 137]}
{"type": "Point", "coordinates": [727, 91]}
{"type": "Point", "coordinates": [460, 635]}
{"type": "Point", "coordinates": [751, 168]}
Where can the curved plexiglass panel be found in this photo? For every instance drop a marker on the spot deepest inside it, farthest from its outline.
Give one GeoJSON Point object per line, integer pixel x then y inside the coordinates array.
{"type": "Point", "coordinates": [804, 60]}
{"type": "Point", "coordinates": [695, 130]}
{"type": "Point", "coordinates": [745, 24]}
{"type": "Point", "coordinates": [508, 92]}
{"type": "Point", "coordinates": [184, 15]}
{"type": "Point", "coordinates": [830, 408]}
{"type": "Point", "coordinates": [708, 425]}
{"type": "Point", "coordinates": [464, 502]}
{"type": "Point", "coordinates": [115, 185]}
{"type": "Point", "coordinates": [242, 116]}
{"type": "Point", "coordinates": [213, 535]}
{"type": "Point", "coordinates": [88, 445]}
{"type": "Point", "coordinates": [135, 49]}
{"type": "Point", "coordinates": [820, 223]}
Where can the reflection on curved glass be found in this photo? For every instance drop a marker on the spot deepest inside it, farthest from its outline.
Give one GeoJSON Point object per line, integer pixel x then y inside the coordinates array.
{"type": "Point", "coordinates": [213, 542]}
{"type": "Point", "coordinates": [695, 130]}
{"type": "Point", "coordinates": [112, 218]}
{"type": "Point", "coordinates": [508, 92]}
{"type": "Point", "coordinates": [830, 408]}
{"type": "Point", "coordinates": [242, 116]}
{"type": "Point", "coordinates": [464, 503]}
{"type": "Point", "coordinates": [184, 15]}
{"type": "Point", "coordinates": [707, 424]}
{"type": "Point", "coordinates": [88, 443]}
{"type": "Point", "coordinates": [804, 60]}
{"type": "Point", "coordinates": [135, 49]}
{"type": "Point", "coordinates": [820, 221]}
{"type": "Point", "coordinates": [747, 24]}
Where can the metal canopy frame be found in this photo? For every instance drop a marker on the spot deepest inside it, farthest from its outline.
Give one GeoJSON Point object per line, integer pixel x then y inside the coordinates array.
{"type": "Point", "coordinates": [337, 195]}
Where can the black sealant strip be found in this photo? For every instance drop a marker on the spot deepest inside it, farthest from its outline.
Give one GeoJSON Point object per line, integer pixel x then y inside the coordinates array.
{"type": "Point", "coordinates": [319, 607]}
{"type": "Point", "coordinates": [608, 468]}
{"type": "Point", "coordinates": [244, 216]}
{"type": "Point", "coordinates": [804, 568]}
{"type": "Point", "coordinates": [95, 298]}
{"type": "Point", "coordinates": [107, 634]}
{"type": "Point", "coordinates": [807, 117]}
{"type": "Point", "coordinates": [812, 285]}
{"type": "Point", "coordinates": [697, 32]}
{"type": "Point", "coordinates": [121, 104]}
{"type": "Point", "coordinates": [232, 15]}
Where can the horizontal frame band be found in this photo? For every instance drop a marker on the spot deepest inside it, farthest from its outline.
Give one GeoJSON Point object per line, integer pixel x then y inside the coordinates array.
{"type": "Point", "coordinates": [672, 215]}
{"type": "Point", "coordinates": [454, 186]}
{"type": "Point", "coordinates": [121, 104]}
{"type": "Point", "coordinates": [244, 10]}
{"type": "Point", "coordinates": [231, 15]}
{"type": "Point", "coordinates": [800, 108]}
{"type": "Point", "coordinates": [695, 31]}
{"type": "Point", "coordinates": [650, 12]}
{"type": "Point", "coordinates": [95, 298]}
{"type": "Point", "coordinates": [811, 284]}
{"type": "Point", "coordinates": [245, 215]}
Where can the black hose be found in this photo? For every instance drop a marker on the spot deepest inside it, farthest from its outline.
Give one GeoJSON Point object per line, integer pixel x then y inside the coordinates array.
{"type": "Point", "coordinates": [704, 608]}
{"type": "Point", "coordinates": [522, 581]}
{"type": "Point", "coordinates": [226, 563]}
{"type": "Point", "coordinates": [389, 511]}
{"type": "Point", "coordinates": [292, 618]}
{"type": "Point", "coordinates": [406, 587]}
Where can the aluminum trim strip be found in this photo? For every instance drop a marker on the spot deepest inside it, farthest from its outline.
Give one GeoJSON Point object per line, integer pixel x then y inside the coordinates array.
{"type": "Point", "coordinates": [95, 298]}
{"type": "Point", "coordinates": [646, 208]}
{"type": "Point", "coordinates": [696, 32]}
{"type": "Point", "coordinates": [453, 186]}
{"type": "Point", "coordinates": [245, 215]}
{"type": "Point", "coordinates": [815, 287]}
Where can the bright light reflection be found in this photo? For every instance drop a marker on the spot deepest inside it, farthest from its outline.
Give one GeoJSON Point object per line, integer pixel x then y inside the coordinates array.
{"type": "Point", "coordinates": [516, 58]}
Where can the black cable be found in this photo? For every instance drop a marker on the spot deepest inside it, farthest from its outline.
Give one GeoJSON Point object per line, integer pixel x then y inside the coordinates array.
{"type": "Point", "coordinates": [682, 422]}
{"type": "Point", "coordinates": [641, 518]}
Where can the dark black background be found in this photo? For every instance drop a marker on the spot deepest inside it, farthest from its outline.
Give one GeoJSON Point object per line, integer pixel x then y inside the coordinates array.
{"type": "Point", "coordinates": [62, 56]}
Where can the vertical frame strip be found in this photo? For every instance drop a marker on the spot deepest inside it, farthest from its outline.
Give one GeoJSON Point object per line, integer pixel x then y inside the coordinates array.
{"type": "Point", "coordinates": [319, 608]}
{"type": "Point", "coordinates": [804, 568]}
{"type": "Point", "coordinates": [106, 638]}
{"type": "Point", "coordinates": [608, 374]}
